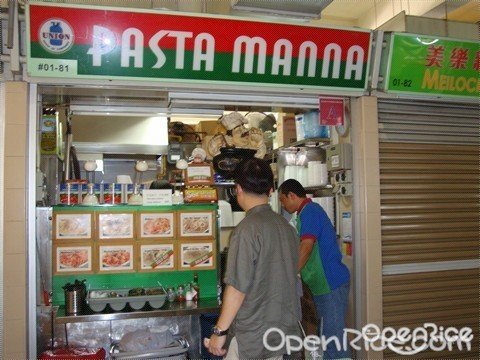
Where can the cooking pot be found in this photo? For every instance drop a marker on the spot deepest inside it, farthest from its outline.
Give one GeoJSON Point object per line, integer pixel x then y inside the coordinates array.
{"type": "Point", "coordinates": [226, 162]}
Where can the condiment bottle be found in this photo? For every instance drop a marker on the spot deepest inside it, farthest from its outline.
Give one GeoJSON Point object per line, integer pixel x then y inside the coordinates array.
{"type": "Point", "coordinates": [171, 294]}
{"type": "Point", "coordinates": [181, 293]}
{"type": "Point", "coordinates": [195, 288]}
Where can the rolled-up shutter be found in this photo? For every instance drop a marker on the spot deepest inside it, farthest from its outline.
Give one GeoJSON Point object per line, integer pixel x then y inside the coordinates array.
{"type": "Point", "coordinates": [429, 189]}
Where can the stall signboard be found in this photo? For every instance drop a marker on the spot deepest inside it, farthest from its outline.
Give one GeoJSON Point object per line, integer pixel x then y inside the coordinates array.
{"type": "Point", "coordinates": [78, 42]}
{"type": "Point", "coordinates": [433, 66]}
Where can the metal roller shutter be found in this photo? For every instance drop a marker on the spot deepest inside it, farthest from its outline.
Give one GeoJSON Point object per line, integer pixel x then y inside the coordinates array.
{"type": "Point", "coordinates": [428, 122]}
{"type": "Point", "coordinates": [429, 189]}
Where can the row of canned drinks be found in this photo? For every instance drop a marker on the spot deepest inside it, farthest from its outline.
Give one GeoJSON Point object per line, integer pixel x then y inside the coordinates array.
{"type": "Point", "coordinates": [107, 193]}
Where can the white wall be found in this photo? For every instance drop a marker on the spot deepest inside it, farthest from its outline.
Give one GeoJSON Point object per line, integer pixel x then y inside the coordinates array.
{"type": "Point", "coordinates": [384, 10]}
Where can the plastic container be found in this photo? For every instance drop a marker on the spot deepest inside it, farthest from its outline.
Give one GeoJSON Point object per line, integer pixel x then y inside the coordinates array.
{"type": "Point", "coordinates": [312, 127]}
{"type": "Point", "coordinates": [117, 299]}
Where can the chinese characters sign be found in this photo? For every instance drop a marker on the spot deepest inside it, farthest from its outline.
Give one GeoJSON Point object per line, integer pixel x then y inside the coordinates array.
{"type": "Point", "coordinates": [108, 43]}
{"type": "Point", "coordinates": [425, 64]}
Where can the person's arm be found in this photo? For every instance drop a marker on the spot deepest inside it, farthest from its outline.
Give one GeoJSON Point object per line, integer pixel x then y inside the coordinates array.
{"type": "Point", "coordinates": [232, 300]}
{"type": "Point", "coordinates": [306, 246]}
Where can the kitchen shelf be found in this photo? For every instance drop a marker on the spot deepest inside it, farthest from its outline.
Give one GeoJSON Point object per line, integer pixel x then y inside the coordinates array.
{"type": "Point", "coordinates": [312, 188]}
{"type": "Point", "coordinates": [208, 305]}
{"type": "Point", "coordinates": [312, 142]}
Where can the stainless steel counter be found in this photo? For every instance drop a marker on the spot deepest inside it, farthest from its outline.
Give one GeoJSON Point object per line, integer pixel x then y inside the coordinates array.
{"type": "Point", "coordinates": [169, 309]}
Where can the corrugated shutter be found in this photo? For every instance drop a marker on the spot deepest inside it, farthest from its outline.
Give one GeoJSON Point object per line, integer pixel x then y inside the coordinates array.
{"type": "Point", "coordinates": [429, 189]}
{"type": "Point", "coordinates": [428, 122]}
{"type": "Point", "coordinates": [447, 298]}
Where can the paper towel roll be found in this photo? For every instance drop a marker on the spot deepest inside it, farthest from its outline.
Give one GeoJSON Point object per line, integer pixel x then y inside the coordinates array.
{"type": "Point", "coordinates": [317, 173]}
{"type": "Point", "coordinates": [303, 175]}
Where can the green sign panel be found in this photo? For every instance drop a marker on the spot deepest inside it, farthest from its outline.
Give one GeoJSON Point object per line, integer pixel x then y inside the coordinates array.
{"type": "Point", "coordinates": [433, 66]}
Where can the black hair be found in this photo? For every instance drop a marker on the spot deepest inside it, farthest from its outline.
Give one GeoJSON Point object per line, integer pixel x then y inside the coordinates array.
{"type": "Point", "coordinates": [292, 186]}
{"type": "Point", "coordinates": [254, 176]}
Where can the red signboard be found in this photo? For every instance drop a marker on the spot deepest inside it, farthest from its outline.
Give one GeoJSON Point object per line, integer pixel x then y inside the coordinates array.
{"type": "Point", "coordinates": [95, 42]}
{"type": "Point", "coordinates": [331, 111]}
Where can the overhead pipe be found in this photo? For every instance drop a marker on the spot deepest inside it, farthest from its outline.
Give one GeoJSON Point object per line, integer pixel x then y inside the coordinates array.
{"type": "Point", "coordinates": [11, 23]}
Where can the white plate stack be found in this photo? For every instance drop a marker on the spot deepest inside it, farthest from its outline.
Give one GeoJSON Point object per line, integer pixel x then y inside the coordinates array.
{"type": "Point", "coordinates": [299, 173]}
{"type": "Point", "coordinates": [317, 173]}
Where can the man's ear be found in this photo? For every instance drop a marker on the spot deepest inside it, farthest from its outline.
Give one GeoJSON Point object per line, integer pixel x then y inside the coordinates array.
{"type": "Point", "coordinates": [270, 191]}
{"type": "Point", "coordinates": [238, 188]}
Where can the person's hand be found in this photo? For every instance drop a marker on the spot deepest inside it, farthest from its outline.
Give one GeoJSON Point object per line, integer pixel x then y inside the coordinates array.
{"type": "Point", "coordinates": [215, 345]}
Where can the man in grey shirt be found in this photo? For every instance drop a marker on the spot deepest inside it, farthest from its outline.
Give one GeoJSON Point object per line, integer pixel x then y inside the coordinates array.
{"type": "Point", "coordinates": [261, 274]}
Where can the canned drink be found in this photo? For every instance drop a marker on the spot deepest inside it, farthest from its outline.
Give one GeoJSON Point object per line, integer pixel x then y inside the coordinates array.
{"type": "Point", "coordinates": [68, 194]}
{"type": "Point", "coordinates": [112, 194]}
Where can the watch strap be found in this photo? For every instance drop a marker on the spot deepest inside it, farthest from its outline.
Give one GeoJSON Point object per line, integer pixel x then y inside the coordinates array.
{"type": "Point", "coordinates": [218, 331]}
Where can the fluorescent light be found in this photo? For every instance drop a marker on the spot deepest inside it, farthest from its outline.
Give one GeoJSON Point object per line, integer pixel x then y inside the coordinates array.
{"type": "Point", "coordinates": [117, 110]}
{"type": "Point", "coordinates": [242, 99]}
{"type": "Point", "coordinates": [194, 112]}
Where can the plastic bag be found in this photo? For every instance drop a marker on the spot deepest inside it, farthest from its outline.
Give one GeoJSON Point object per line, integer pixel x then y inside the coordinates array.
{"type": "Point", "coordinates": [143, 340]}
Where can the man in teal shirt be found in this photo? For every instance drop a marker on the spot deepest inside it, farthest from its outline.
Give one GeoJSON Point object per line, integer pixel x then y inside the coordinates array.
{"type": "Point", "coordinates": [320, 264]}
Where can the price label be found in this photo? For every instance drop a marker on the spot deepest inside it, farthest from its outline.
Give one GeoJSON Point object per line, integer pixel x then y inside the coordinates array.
{"type": "Point", "coordinates": [52, 67]}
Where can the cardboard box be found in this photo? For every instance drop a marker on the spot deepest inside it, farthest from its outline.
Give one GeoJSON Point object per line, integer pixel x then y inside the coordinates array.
{"type": "Point", "coordinates": [286, 131]}
{"type": "Point", "coordinates": [209, 127]}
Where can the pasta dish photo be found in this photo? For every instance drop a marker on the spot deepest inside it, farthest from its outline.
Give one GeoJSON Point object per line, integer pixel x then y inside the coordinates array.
{"type": "Point", "coordinates": [116, 258]}
{"type": "Point", "coordinates": [154, 226]}
{"type": "Point", "coordinates": [196, 224]}
{"type": "Point", "coordinates": [73, 259]}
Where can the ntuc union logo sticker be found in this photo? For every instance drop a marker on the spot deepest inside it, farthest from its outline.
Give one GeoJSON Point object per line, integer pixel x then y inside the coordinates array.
{"type": "Point", "coordinates": [56, 36]}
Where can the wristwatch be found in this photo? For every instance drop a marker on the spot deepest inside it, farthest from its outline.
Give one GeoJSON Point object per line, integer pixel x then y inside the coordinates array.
{"type": "Point", "coordinates": [219, 332]}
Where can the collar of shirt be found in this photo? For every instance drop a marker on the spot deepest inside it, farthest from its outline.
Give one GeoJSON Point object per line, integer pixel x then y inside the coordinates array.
{"type": "Point", "coordinates": [258, 208]}
{"type": "Point", "coordinates": [302, 205]}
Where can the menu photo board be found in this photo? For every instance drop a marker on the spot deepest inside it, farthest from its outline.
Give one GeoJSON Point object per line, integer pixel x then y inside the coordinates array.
{"type": "Point", "coordinates": [115, 257]}
{"type": "Point", "coordinates": [196, 225]}
{"type": "Point", "coordinates": [115, 225]}
{"type": "Point", "coordinates": [72, 226]}
{"type": "Point", "coordinates": [156, 225]}
{"type": "Point", "coordinates": [72, 259]}
{"type": "Point", "coordinates": [154, 256]}
{"type": "Point", "coordinates": [196, 255]}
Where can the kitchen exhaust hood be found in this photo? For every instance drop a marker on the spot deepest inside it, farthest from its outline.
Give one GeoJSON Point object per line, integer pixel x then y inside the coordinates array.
{"type": "Point", "coordinates": [303, 9]}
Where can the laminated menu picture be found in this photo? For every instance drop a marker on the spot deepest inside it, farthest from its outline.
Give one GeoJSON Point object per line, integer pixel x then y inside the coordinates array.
{"type": "Point", "coordinates": [156, 225]}
{"type": "Point", "coordinates": [72, 259]}
{"type": "Point", "coordinates": [71, 226]}
{"type": "Point", "coordinates": [196, 256]}
{"type": "Point", "coordinates": [115, 258]}
{"type": "Point", "coordinates": [115, 226]}
{"type": "Point", "coordinates": [196, 224]}
{"type": "Point", "coordinates": [154, 257]}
